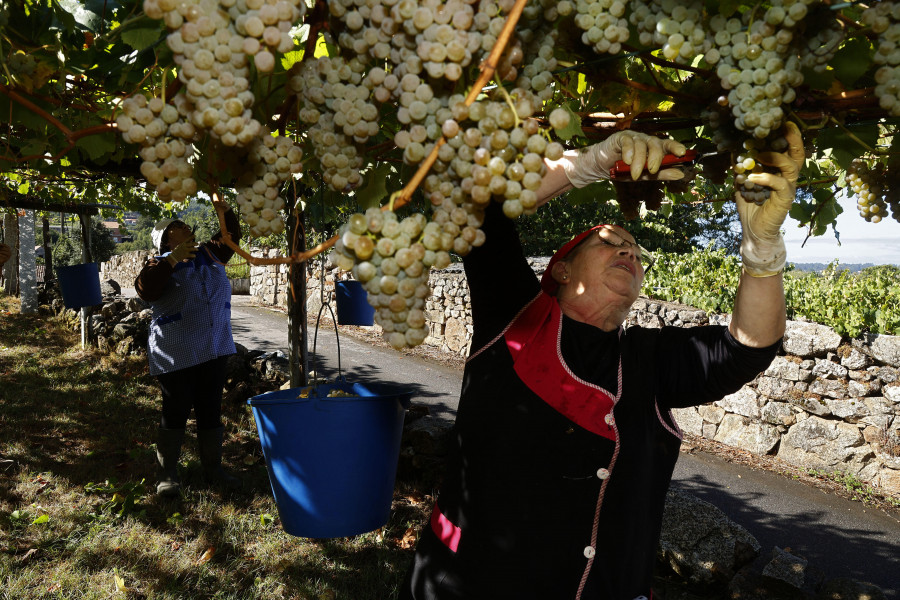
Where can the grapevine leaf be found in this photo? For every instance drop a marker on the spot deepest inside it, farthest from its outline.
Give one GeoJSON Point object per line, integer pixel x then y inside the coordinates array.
{"type": "Point", "coordinates": [827, 211]}
{"type": "Point", "coordinates": [375, 189]}
{"type": "Point", "coordinates": [582, 83]}
{"type": "Point", "coordinates": [97, 146]}
{"type": "Point", "coordinates": [33, 147]}
{"type": "Point", "coordinates": [851, 61]}
{"type": "Point", "coordinates": [845, 147]}
{"type": "Point", "coordinates": [291, 58]}
{"type": "Point", "coordinates": [81, 14]}
{"type": "Point", "coordinates": [598, 192]}
{"type": "Point", "coordinates": [139, 39]}
{"type": "Point", "coordinates": [802, 211]}
{"type": "Point", "coordinates": [573, 128]}
{"type": "Point", "coordinates": [818, 81]}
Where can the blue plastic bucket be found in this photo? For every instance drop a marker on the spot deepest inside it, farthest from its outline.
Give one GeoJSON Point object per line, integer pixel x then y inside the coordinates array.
{"type": "Point", "coordinates": [80, 285]}
{"type": "Point", "coordinates": [352, 306]}
{"type": "Point", "coordinates": [332, 461]}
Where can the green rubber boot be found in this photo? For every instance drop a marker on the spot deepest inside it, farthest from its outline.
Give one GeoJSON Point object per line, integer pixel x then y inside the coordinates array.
{"type": "Point", "coordinates": [168, 451]}
{"type": "Point", "coordinates": [210, 446]}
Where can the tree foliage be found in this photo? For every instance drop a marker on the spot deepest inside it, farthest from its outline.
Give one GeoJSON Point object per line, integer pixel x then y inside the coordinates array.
{"type": "Point", "coordinates": [67, 247]}
{"type": "Point", "coordinates": [68, 65]}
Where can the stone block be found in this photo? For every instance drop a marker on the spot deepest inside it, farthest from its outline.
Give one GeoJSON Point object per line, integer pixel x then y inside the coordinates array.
{"type": "Point", "coordinates": [849, 409]}
{"type": "Point", "coordinates": [778, 413]}
{"type": "Point", "coordinates": [832, 388]}
{"type": "Point", "coordinates": [852, 358]}
{"type": "Point", "coordinates": [827, 369]}
{"type": "Point", "coordinates": [787, 568]}
{"type": "Point", "coordinates": [858, 389]}
{"type": "Point", "coordinates": [809, 339]}
{"type": "Point", "coordinates": [811, 403]}
{"type": "Point", "coordinates": [786, 368]}
{"type": "Point", "coordinates": [817, 443]}
{"type": "Point", "coordinates": [888, 374]}
{"type": "Point", "coordinates": [776, 388]}
{"type": "Point", "coordinates": [689, 420]}
{"type": "Point", "coordinates": [892, 393]}
{"type": "Point", "coordinates": [745, 433]}
{"type": "Point", "coordinates": [743, 402]}
{"type": "Point", "coordinates": [883, 348]}
{"type": "Point", "coordinates": [711, 413]}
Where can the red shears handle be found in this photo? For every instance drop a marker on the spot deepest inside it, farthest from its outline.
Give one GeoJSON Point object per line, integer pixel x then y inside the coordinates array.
{"type": "Point", "coordinates": [622, 170]}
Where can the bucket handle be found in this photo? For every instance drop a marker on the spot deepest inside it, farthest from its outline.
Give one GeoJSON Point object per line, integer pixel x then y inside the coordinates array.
{"type": "Point", "coordinates": [337, 338]}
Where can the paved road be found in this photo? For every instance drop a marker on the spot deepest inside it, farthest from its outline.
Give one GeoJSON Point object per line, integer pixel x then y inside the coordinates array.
{"type": "Point", "coordinates": [837, 536]}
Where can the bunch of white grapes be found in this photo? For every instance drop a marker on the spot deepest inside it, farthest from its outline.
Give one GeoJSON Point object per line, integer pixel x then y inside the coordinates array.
{"type": "Point", "coordinates": [824, 35]}
{"type": "Point", "coordinates": [884, 19]}
{"type": "Point", "coordinates": [211, 41]}
{"type": "Point", "coordinates": [392, 259]}
{"type": "Point", "coordinates": [603, 22]}
{"type": "Point", "coordinates": [758, 66]}
{"type": "Point", "coordinates": [338, 105]}
{"type": "Point", "coordinates": [868, 184]}
{"type": "Point", "coordinates": [166, 144]}
{"type": "Point", "coordinates": [674, 25]}
{"type": "Point", "coordinates": [271, 162]}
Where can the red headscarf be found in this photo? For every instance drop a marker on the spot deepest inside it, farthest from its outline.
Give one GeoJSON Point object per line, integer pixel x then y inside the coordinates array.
{"type": "Point", "coordinates": [550, 285]}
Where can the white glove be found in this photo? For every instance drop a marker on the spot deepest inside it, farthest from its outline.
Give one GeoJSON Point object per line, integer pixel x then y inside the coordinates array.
{"type": "Point", "coordinates": [762, 247]}
{"type": "Point", "coordinates": [587, 165]}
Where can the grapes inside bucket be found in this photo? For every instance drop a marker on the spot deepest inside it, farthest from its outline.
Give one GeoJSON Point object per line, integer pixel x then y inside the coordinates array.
{"type": "Point", "coordinates": [331, 451]}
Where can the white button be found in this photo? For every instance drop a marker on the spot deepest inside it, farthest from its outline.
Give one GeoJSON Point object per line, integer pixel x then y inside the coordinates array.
{"type": "Point", "coordinates": [602, 473]}
{"type": "Point", "coordinates": [589, 552]}
{"type": "Point", "coordinates": [609, 419]}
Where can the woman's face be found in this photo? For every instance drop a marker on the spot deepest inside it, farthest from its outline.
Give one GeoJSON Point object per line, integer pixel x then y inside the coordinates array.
{"type": "Point", "coordinates": [176, 233]}
{"type": "Point", "coordinates": [609, 260]}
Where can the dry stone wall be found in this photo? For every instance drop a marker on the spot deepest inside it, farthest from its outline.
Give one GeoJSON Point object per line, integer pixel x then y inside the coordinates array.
{"type": "Point", "coordinates": [825, 403]}
{"type": "Point", "coordinates": [124, 268]}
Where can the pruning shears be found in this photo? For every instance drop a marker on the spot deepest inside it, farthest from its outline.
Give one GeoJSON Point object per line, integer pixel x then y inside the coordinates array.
{"type": "Point", "coordinates": [622, 170]}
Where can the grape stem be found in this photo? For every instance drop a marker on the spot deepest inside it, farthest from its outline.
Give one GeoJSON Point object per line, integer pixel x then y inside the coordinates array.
{"type": "Point", "coordinates": [853, 137]}
{"type": "Point", "coordinates": [488, 66]}
{"type": "Point", "coordinates": [509, 101]}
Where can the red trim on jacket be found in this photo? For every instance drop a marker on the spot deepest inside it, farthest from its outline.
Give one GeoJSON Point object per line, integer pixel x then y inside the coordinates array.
{"type": "Point", "coordinates": [446, 532]}
{"type": "Point", "coordinates": [533, 342]}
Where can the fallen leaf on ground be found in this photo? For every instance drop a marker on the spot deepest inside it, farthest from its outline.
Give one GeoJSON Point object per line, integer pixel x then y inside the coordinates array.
{"type": "Point", "coordinates": [206, 556]}
{"type": "Point", "coordinates": [408, 540]}
{"type": "Point", "coordinates": [28, 555]}
{"type": "Point", "coordinates": [120, 582]}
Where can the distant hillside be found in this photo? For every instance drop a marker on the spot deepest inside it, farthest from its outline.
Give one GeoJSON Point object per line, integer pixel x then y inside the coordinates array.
{"type": "Point", "coordinates": [852, 267]}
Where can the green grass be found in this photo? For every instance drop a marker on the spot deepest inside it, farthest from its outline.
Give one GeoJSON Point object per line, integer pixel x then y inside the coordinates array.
{"type": "Point", "coordinates": [77, 508]}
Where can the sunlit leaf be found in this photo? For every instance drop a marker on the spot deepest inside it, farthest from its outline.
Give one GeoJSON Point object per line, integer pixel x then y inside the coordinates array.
{"type": "Point", "coordinates": [573, 128]}
{"type": "Point", "coordinates": [375, 188]}
{"type": "Point", "coordinates": [139, 39]}
{"type": "Point", "coordinates": [120, 582]}
{"type": "Point", "coordinates": [851, 61]}
{"type": "Point", "coordinates": [291, 58]}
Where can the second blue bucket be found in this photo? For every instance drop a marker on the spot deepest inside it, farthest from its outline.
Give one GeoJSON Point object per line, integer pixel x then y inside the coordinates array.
{"type": "Point", "coordinates": [352, 306]}
{"type": "Point", "coordinates": [332, 461]}
{"type": "Point", "coordinates": [80, 285]}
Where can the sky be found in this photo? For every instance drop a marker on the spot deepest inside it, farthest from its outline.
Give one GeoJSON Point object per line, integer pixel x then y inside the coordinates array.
{"type": "Point", "coordinates": [861, 242]}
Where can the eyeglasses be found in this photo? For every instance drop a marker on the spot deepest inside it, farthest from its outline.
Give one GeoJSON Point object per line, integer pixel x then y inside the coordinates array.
{"type": "Point", "coordinates": [617, 241]}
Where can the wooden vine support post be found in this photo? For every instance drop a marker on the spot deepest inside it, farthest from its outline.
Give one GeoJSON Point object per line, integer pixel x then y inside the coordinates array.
{"type": "Point", "coordinates": [403, 197]}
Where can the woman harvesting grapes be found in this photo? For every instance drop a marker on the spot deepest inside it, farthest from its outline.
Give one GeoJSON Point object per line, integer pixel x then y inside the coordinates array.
{"type": "Point", "coordinates": [564, 444]}
{"type": "Point", "coordinates": [190, 336]}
